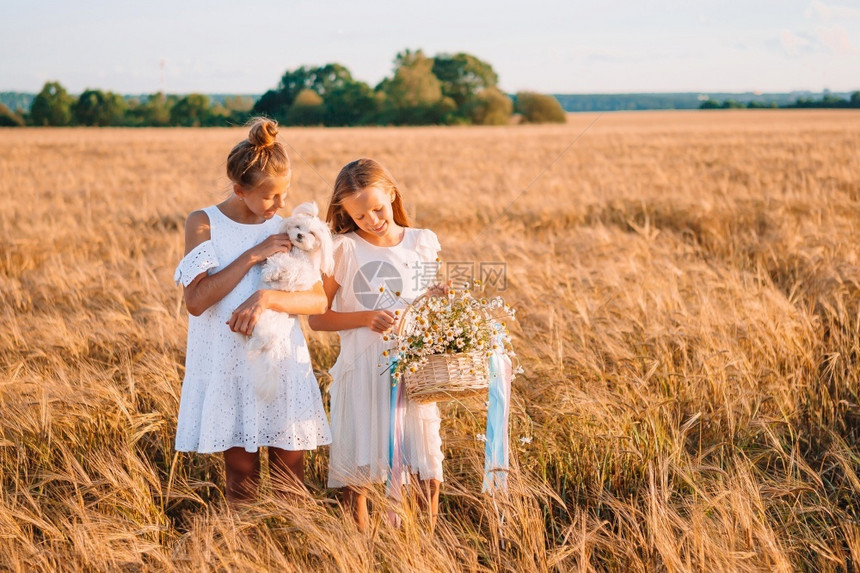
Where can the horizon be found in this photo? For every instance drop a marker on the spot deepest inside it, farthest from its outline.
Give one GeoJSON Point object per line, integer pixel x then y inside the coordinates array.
{"type": "Point", "coordinates": [575, 48]}
{"type": "Point", "coordinates": [644, 93]}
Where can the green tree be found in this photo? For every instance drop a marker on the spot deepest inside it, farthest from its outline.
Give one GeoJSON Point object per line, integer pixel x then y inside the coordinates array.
{"type": "Point", "coordinates": [830, 100]}
{"type": "Point", "coordinates": [323, 80]}
{"type": "Point", "coordinates": [414, 95]}
{"type": "Point", "coordinates": [855, 99]}
{"type": "Point", "coordinates": [192, 110]}
{"type": "Point", "coordinates": [462, 76]}
{"type": "Point", "coordinates": [153, 111]}
{"type": "Point", "coordinates": [761, 105]}
{"type": "Point", "coordinates": [307, 109]}
{"type": "Point", "coordinates": [220, 116]}
{"type": "Point", "coordinates": [235, 110]}
{"type": "Point", "coordinates": [51, 106]}
{"type": "Point", "coordinates": [353, 103]}
{"type": "Point", "coordinates": [9, 118]}
{"type": "Point", "coordinates": [239, 103]}
{"type": "Point", "coordinates": [490, 107]}
{"type": "Point", "coordinates": [539, 108]}
{"type": "Point", "coordinates": [95, 107]}
{"type": "Point", "coordinates": [271, 104]}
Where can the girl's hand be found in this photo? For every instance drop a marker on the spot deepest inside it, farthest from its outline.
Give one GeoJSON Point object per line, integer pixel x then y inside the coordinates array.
{"type": "Point", "coordinates": [269, 246]}
{"type": "Point", "coordinates": [380, 321]}
{"type": "Point", "coordinates": [246, 315]}
{"type": "Point", "coordinates": [438, 290]}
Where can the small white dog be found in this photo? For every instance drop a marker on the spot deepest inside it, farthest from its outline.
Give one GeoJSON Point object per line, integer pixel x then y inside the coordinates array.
{"type": "Point", "coordinates": [297, 270]}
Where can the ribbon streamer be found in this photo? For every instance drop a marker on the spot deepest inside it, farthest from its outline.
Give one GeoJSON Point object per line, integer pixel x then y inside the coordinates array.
{"type": "Point", "coordinates": [496, 450]}
{"type": "Point", "coordinates": [395, 436]}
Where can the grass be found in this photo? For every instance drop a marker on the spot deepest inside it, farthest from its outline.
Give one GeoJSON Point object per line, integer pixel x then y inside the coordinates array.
{"type": "Point", "coordinates": [688, 293]}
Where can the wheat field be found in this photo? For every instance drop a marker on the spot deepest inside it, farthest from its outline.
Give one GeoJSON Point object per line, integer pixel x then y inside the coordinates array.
{"type": "Point", "coordinates": [688, 295]}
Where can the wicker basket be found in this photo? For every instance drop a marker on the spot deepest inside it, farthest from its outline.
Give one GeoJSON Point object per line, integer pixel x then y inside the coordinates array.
{"type": "Point", "coordinates": [443, 377]}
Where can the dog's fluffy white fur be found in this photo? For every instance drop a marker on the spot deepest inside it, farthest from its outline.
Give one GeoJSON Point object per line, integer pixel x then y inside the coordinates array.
{"type": "Point", "coordinates": [297, 270]}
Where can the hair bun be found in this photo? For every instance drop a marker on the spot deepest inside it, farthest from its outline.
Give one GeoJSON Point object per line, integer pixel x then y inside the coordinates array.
{"type": "Point", "coordinates": [263, 133]}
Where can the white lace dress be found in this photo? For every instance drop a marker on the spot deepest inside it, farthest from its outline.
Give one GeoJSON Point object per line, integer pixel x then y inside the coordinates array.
{"type": "Point", "coordinates": [219, 408]}
{"type": "Point", "coordinates": [361, 387]}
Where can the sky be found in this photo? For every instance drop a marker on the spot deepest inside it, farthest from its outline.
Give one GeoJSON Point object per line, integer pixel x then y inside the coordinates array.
{"type": "Point", "coordinates": [610, 46]}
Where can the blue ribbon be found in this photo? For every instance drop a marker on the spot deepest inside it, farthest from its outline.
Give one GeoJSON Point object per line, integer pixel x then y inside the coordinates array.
{"type": "Point", "coordinates": [496, 461]}
{"type": "Point", "coordinates": [396, 463]}
{"type": "Point", "coordinates": [392, 411]}
{"type": "Point", "coordinates": [496, 449]}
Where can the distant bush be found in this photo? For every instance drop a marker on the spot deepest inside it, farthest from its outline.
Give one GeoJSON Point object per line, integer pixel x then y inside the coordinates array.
{"type": "Point", "coordinates": [491, 107]}
{"type": "Point", "coordinates": [9, 118]}
{"type": "Point", "coordinates": [307, 109]}
{"type": "Point", "coordinates": [191, 111]}
{"type": "Point", "coordinates": [153, 111]}
{"type": "Point", "coordinates": [539, 108]}
{"type": "Point", "coordinates": [727, 104]}
{"type": "Point", "coordinates": [762, 105]}
{"type": "Point", "coordinates": [239, 104]}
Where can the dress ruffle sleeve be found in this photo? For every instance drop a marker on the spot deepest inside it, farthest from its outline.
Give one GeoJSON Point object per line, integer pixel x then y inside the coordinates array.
{"type": "Point", "coordinates": [199, 260]}
{"type": "Point", "coordinates": [427, 245]}
{"type": "Point", "coordinates": [344, 259]}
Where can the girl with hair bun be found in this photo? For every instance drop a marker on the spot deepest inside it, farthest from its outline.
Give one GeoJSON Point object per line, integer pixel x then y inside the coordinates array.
{"type": "Point", "coordinates": [219, 410]}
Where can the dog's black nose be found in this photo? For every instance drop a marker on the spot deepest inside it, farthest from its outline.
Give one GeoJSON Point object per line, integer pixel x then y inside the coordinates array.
{"type": "Point", "coordinates": [299, 237]}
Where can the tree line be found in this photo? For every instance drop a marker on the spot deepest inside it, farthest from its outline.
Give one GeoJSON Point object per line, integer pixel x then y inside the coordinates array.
{"type": "Point", "coordinates": [446, 89]}
{"type": "Point", "coordinates": [827, 101]}
{"type": "Point", "coordinates": [684, 100]}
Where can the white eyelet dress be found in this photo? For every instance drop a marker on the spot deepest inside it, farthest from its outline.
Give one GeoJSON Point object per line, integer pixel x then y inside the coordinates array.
{"type": "Point", "coordinates": [361, 386]}
{"type": "Point", "coordinates": [219, 408]}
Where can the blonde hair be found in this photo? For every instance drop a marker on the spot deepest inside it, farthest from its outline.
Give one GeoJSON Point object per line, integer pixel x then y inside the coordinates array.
{"type": "Point", "coordinates": [355, 176]}
{"type": "Point", "coordinates": [258, 157]}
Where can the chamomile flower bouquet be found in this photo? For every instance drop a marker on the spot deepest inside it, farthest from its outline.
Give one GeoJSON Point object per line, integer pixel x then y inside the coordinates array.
{"type": "Point", "coordinates": [444, 343]}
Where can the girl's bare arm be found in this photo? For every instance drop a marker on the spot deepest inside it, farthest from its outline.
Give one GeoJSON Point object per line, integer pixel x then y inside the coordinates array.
{"type": "Point", "coordinates": [205, 290]}
{"type": "Point", "coordinates": [245, 317]}
{"type": "Point", "coordinates": [377, 320]}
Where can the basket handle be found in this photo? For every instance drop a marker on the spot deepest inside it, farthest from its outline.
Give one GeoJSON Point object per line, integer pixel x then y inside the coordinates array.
{"type": "Point", "coordinates": [401, 325]}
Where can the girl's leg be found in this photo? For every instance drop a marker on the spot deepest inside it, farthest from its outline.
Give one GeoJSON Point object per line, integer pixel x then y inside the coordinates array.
{"type": "Point", "coordinates": [243, 474]}
{"type": "Point", "coordinates": [357, 503]}
{"type": "Point", "coordinates": [287, 468]}
{"type": "Point", "coordinates": [428, 499]}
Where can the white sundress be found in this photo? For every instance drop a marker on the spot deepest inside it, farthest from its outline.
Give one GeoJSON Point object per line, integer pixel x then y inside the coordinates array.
{"type": "Point", "coordinates": [361, 387]}
{"type": "Point", "coordinates": [219, 408]}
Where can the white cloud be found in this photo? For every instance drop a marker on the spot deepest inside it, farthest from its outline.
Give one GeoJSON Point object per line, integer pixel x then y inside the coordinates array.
{"type": "Point", "coordinates": [835, 39]}
{"type": "Point", "coordinates": [794, 44]}
{"type": "Point", "coordinates": [831, 11]}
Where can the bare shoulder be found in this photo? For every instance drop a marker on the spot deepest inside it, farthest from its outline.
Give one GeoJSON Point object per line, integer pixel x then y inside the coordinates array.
{"type": "Point", "coordinates": [197, 230]}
